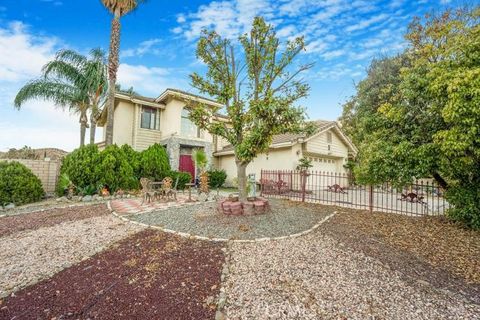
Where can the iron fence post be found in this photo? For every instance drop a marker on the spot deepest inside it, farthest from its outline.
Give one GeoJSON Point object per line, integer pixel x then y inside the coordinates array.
{"type": "Point", "coordinates": [370, 198]}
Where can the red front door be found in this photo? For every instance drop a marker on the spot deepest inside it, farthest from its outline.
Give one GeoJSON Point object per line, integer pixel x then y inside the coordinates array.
{"type": "Point", "coordinates": [187, 165]}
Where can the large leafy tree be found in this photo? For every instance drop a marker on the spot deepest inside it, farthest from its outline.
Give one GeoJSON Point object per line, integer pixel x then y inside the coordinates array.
{"type": "Point", "coordinates": [426, 120]}
{"type": "Point", "coordinates": [259, 90]}
{"type": "Point", "coordinates": [72, 81]}
{"type": "Point", "coordinates": [118, 8]}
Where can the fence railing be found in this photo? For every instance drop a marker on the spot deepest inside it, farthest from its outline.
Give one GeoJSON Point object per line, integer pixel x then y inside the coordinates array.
{"type": "Point", "coordinates": [424, 197]}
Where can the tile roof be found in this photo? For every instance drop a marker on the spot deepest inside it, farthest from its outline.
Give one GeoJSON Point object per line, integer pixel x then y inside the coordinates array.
{"type": "Point", "coordinates": [289, 137]}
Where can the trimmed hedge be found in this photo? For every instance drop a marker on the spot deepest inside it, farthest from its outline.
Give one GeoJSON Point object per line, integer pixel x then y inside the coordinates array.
{"type": "Point", "coordinates": [18, 184]}
{"type": "Point", "coordinates": [114, 170]}
{"type": "Point", "coordinates": [154, 163]}
{"type": "Point", "coordinates": [216, 178]}
{"type": "Point", "coordinates": [115, 167]}
{"type": "Point", "coordinates": [80, 166]}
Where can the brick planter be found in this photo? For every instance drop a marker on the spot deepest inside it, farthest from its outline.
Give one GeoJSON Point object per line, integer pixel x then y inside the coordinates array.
{"type": "Point", "coordinates": [250, 207]}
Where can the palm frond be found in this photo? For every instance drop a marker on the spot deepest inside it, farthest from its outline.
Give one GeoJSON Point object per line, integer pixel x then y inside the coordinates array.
{"type": "Point", "coordinates": [62, 94]}
{"type": "Point", "coordinates": [125, 6]}
{"type": "Point", "coordinates": [58, 69]}
{"type": "Point", "coordinates": [71, 57]}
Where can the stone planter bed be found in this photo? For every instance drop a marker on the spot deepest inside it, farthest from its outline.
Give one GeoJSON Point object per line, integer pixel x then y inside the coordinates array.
{"type": "Point", "coordinates": [203, 219]}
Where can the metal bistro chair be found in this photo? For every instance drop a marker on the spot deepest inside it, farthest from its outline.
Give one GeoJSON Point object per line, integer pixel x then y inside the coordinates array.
{"type": "Point", "coordinates": [168, 190]}
{"type": "Point", "coordinates": [147, 193]}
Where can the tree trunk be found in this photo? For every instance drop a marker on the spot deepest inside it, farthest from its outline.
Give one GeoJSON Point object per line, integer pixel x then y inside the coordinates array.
{"type": "Point", "coordinates": [93, 128]}
{"type": "Point", "coordinates": [440, 180]}
{"type": "Point", "coordinates": [242, 180]}
{"type": "Point", "coordinates": [112, 75]}
{"type": "Point", "coordinates": [83, 129]}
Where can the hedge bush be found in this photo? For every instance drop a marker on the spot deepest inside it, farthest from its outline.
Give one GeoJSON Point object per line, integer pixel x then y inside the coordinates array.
{"type": "Point", "coordinates": [114, 170]}
{"type": "Point", "coordinates": [18, 184]}
{"type": "Point", "coordinates": [81, 166]}
{"type": "Point", "coordinates": [154, 163]}
{"type": "Point", "coordinates": [216, 178]}
{"type": "Point", "coordinates": [133, 158]}
{"type": "Point", "coordinates": [183, 178]}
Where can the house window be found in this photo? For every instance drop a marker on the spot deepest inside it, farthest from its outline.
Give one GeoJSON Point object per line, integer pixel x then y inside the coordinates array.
{"type": "Point", "coordinates": [149, 118]}
{"type": "Point", "coordinates": [329, 137]}
{"type": "Point", "coordinates": [188, 128]}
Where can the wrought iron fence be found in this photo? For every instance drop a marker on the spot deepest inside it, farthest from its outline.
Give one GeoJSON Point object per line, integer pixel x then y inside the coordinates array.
{"type": "Point", "coordinates": [424, 197]}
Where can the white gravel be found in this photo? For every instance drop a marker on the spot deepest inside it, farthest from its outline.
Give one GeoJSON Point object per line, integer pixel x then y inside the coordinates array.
{"type": "Point", "coordinates": [314, 277]}
{"type": "Point", "coordinates": [29, 256]}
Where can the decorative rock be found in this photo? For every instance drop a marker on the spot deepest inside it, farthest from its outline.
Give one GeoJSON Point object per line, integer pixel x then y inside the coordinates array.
{"type": "Point", "coordinates": [10, 206]}
{"type": "Point", "coordinates": [62, 199]}
{"type": "Point", "coordinates": [87, 198]}
{"type": "Point", "coordinates": [76, 198]}
{"type": "Point", "coordinates": [95, 197]}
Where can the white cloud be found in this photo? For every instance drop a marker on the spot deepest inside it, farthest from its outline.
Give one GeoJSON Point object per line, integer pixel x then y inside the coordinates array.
{"type": "Point", "coordinates": [366, 23]}
{"type": "Point", "coordinates": [228, 18]}
{"type": "Point", "coordinates": [333, 54]}
{"type": "Point", "coordinates": [145, 47]}
{"type": "Point", "coordinates": [22, 54]}
{"type": "Point", "coordinates": [150, 81]}
{"type": "Point", "coordinates": [38, 123]}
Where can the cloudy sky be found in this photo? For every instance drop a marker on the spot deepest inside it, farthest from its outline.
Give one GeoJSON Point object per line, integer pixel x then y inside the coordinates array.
{"type": "Point", "coordinates": [158, 48]}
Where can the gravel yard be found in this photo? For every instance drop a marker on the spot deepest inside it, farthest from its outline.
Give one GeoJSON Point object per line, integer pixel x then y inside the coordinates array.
{"type": "Point", "coordinates": [29, 256]}
{"type": "Point", "coordinates": [84, 263]}
{"type": "Point", "coordinates": [50, 217]}
{"type": "Point", "coordinates": [150, 275]}
{"type": "Point", "coordinates": [203, 220]}
{"type": "Point", "coordinates": [317, 277]}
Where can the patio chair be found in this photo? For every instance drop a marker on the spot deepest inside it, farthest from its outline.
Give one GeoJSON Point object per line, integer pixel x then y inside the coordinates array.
{"type": "Point", "coordinates": [147, 192]}
{"type": "Point", "coordinates": [167, 189]}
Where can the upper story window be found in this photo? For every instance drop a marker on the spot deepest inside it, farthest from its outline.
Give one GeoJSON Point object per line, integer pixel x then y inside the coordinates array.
{"type": "Point", "coordinates": [188, 128]}
{"type": "Point", "coordinates": [329, 137]}
{"type": "Point", "coordinates": [149, 118]}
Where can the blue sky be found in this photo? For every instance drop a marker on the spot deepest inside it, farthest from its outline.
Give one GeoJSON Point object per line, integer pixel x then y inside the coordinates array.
{"type": "Point", "coordinates": [158, 48]}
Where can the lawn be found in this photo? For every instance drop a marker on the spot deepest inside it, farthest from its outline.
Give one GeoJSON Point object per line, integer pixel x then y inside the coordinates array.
{"type": "Point", "coordinates": [84, 263]}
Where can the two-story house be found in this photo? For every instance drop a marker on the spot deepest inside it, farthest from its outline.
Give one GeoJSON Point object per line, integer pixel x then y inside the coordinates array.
{"type": "Point", "coordinates": [141, 122]}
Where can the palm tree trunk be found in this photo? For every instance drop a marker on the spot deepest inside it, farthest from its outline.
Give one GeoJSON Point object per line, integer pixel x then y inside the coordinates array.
{"type": "Point", "coordinates": [112, 74]}
{"type": "Point", "coordinates": [83, 126]}
{"type": "Point", "coordinates": [83, 129]}
{"type": "Point", "coordinates": [93, 128]}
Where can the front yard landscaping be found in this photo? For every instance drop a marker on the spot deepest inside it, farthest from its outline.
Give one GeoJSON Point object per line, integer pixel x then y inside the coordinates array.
{"type": "Point", "coordinates": [83, 262]}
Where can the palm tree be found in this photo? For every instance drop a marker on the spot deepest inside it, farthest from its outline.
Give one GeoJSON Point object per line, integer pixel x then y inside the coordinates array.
{"type": "Point", "coordinates": [71, 81]}
{"type": "Point", "coordinates": [118, 8]}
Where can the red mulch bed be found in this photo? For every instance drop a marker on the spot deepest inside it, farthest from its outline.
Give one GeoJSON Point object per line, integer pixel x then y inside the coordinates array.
{"type": "Point", "coordinates": [151, 275]}
{"type": "Point", "coordinates": [47, 218]}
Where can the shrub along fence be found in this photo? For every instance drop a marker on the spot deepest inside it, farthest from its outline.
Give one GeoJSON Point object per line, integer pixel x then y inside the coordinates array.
{"type": "Point", "coordinates": [46, 170]}
{"type": "Point", "coordinates": [423, 197]}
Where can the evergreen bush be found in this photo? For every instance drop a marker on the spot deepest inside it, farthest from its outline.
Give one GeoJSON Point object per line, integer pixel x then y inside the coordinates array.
{"type": "Point", "coordinates": [216, 178]}
{"type": "Point", "coordinates": [18, 184]}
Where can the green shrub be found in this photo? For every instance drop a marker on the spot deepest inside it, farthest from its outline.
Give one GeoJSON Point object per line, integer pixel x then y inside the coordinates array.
{"type": "Point", "coordinates": [465, 201]}
{"type": "Point", "coordinates": [18, 184]}
{"type": "Point", "coordinates": [216, 178]}
{"type": "Point", "coordinates": [114, 170]}
{"type": "Point", "coordinates": [154, 163]}
{"type": "Point", "coordinates": [63, 184]}
{"type": "Point", "coordinates": [133, 158]}
{"type": "Point", "coordinates": [183, 178]}
{"type": "Point", "coordinates": [80, 166]}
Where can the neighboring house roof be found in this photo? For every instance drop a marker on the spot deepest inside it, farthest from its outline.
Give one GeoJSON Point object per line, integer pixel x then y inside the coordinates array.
{"type": "Point", "coordinates": [289, 139]}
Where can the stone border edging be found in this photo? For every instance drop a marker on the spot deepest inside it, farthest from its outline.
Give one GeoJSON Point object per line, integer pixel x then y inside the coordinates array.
{"type": "Point", "coordinates": [70, 205]}
{"type": "Point", "coordinates": [192, 236]}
